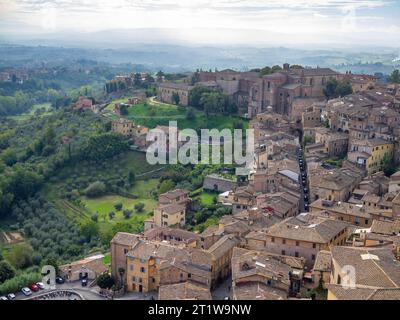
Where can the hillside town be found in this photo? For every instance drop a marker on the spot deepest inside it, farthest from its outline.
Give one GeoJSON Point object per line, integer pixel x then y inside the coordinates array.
{"type": "Point", "coordinates": [322, 195]}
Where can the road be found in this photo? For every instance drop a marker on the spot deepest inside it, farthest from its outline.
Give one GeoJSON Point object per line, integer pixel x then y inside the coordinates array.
{"type": "Point", "coordinates": [303, 185]}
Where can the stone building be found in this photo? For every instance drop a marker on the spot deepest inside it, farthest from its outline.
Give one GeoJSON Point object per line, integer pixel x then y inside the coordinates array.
{"type": "Point", "coordinates": [173, 214]}
{"type": "Point", "coordinates": [166, 92]}
{"type": "Point", "coordinates": [215, 182]}
{"type": "Point", "coordinates": [302, 236]}
{"type": "Point", "coordinates": [259, 275]}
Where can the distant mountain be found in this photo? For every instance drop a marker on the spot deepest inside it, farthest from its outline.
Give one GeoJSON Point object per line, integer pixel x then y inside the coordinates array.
{"type": "Point", "coordinates": [178, 58]}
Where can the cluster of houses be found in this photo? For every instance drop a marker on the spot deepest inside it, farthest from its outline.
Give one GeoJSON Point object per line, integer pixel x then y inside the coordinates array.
{"type": "Point", "coordinates": [288, 91]}
{"type": "Point", "coordinates": [14, 75]}
{"type": "Point", "coordinates": [273, 246]}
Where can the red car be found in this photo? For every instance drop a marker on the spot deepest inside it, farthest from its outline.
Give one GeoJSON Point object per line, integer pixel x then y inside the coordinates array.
{"type": "Point", "coordinates": [34, 287]}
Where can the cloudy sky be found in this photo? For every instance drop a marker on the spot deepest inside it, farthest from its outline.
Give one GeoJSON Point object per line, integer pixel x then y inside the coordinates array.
{"type": "Point", "coordinates": [278, 22]}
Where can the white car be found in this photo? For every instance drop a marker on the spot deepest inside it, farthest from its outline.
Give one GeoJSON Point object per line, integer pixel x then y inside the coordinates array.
{"type": "Point", "coordinates": [11, 296]}
{"type": "Point", "coordinates": [3, 298]}
{"type": "Point", "coordinates": [40, 285]}
{"type": "Point", "coordinates": [26, 291]}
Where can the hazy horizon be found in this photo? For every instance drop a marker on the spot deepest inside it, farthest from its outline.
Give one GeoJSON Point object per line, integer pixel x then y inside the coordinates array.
{"type": "Point", "coordinates": [312, 24]}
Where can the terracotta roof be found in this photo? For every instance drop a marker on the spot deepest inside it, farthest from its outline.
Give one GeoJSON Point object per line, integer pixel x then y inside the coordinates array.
{"type": "Point", "coordinates": [171, 208]}
{"type": "Point", "coordinates": [247, 263]}
{"type": "Point", "coordinates": [223, 245]}
{"type": "Point", "coordinates": [184, 291]}
{"type": "Point", "coordinates": [306, 227]}
{"type": "Point", "coordinates": [386, 227]}
{"type": "Point", "coordinates": [258, 291]}
{"type": "Point", "coordinates": [173, 194]}
{"type": "Point", "coordinates": [375, 267]}
{"type": "Point", "coordinates": [364, 293]}
{"type": "Point", "coordinates": [124, 238]}
{"type": "Point", "coordinates": [177, 86]}
{"type": "Point", "coordinates": [323, 261]}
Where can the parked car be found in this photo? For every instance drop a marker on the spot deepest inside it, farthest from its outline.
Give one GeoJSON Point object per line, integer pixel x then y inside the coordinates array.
{"type": "Point", "coordinates": [34, 287]}
{"type": "Point", "coordinates": [305, 190]}
{"type": "Point", "coordinates": [40, 285]}
{"type": "Point", "coordinates": [11, 296]}
{"type": "Point", "coordinates": [3, 298]}
{"type": "Point", "coordinates": [26, 291]}
{"type": "Point", "coordinates": [84, 282]}
{"type": "Point", "coordinates": [60, 280]}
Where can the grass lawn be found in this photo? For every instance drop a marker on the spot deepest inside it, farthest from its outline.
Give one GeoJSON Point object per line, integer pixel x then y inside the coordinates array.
{"type": "Point", "coordinates": [119, 166]}
{"type": "Point", "coordinates": [31, 112]}
{"type": "Point", "coordinates": [153, 113]}
{"type": "Point", "coordinates": [207, 197]}
{"type": "Point", "coordinates": [104, 205]}
{"type": "Point", "coordinates": [143, 188]}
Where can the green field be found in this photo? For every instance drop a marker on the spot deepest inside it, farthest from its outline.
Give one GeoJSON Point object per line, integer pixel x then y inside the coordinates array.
{"type": "Point", "coordinates": [31, 112]}
{"type": "Point", "coordinates": [207, 197]}
{"type": "Point", "coordinates": [81, 210]}
{"type": "Point", "coordinates": [153, 113]}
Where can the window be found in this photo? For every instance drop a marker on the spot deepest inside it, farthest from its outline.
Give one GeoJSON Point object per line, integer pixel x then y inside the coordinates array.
{"type": "Point", "coordinates": [131, 267]}
{"type": "Point", "coordinates": [314, 245]}
{"type": "Point", "coordinates": [272, 239]}
{"type": "Point", "coordinates": [296, 254]}
{"type": "Point", "coordinates": [366, 221]}
{"type": "Point", "coordinates": [189, 275]}
{"type": "Point", "coordinates": [283, 241]}
{"type": "Point", "coordinates": [297, 243]}
{"type": "Point", "coordinates": [283, 252]}
{"type": "Point", "coordinates": [133, 279]}
{"type": "Point", "coordinates": [142, 269]}
{"type": "Point", "coordinates": [313, 257]}
{"type": "Point", "coordinates": [125, 251]}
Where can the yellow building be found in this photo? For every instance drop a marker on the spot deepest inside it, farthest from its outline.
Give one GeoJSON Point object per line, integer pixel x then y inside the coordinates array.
{"type": "Point", "coordinates": [371, 154]}
{"type": "Point", "coordinates": [170, 215]}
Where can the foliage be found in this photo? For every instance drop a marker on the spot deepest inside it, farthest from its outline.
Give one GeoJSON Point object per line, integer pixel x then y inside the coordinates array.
{"type": "Point", "coordinates": [395, 76]}
{"type": "Point", "coordinates": [17, 283]}
{"type": "Point", "coordinates": [388, 167]}
{"type": "Point", "coordinates": [165, 186]}
{"type": "Point", "coordinates": [95, 189]}
{"type": "Point", "coordinates": [307, 140]}
{"type": "Point", "coordinates": [6, 271]}
{"type": "Point", "coordinates": [127, 213]}
{"type": "Point", "coordinates": [335, 89]}
{"type": "Point", "coordinates": [20, 255]}
{"type": "Point", "coordinates": [139, 207]}
{"type": "Point", "coordinates": [89, 230]}
{"type": "Point", "coordinates": [104, 281]}
{"type": "Point", "coordinates": [103, 146]}
{"type": "Point", "coordinates": [175, 98]}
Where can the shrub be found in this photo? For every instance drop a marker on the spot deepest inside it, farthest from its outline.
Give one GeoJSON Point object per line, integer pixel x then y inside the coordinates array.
{"type": "Point", "coordinates": [20, 256]}
{"type": "Point", "coordinates": [118, 206]}
{"type": "Point", "coordinates": [6, 271]}
{"type": "Point", "coordinates": [127, 213]}
{"type": "Point", "coordinates": [104, 281]}
{"type": "Point", "coordinates": [17, 283]}
{"type": "Point", "coordinates": [111, 215]}
{"type": "Point", "coordinates": [96, 189]}
{"type": "Point", "coordinates": [139, 207]}
{"type": "Point", "coordinates": [95, 217]}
